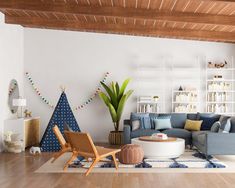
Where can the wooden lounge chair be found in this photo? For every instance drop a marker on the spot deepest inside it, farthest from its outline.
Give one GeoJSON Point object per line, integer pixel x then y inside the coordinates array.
{"type": "Point", "coordinates": [65, 147]}
{"type": "Point", "coordinates": [82, 145]}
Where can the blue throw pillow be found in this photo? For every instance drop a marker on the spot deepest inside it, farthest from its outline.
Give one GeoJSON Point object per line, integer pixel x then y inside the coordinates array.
{"type": "Point", "coordinates": [153, 116]}
{"type": "Point", "coordinates": [162, 122]}
{"type": "Point", "coordinates": [208, 120]}
{"type": "Point", "coordinates": [144, 119]}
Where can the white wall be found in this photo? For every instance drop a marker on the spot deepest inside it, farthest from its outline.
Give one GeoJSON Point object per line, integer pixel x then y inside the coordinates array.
{"type": "Point", "coordinates": [11, 66]}
{"type": "Point", "coordinates": [79, 60]}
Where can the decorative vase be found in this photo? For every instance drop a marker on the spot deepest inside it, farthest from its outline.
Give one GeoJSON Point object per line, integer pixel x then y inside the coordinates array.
{"type": "Point", "coordinates": [116, 137]}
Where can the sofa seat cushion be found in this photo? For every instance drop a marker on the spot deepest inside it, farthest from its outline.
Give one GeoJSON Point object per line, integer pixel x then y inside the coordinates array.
{"type": "Point", "coordinates": [199, 137]}
{"type": "Point", "coordinates": [143, 132]}
{"type": "Point", "coordinates": [180, 133]}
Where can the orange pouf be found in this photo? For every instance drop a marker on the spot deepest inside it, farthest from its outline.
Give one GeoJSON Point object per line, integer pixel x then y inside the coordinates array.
{"type": "Point", "coordinates": [131, 154]}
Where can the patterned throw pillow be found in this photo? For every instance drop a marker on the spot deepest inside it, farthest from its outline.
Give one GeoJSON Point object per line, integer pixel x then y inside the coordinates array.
{"type": "Point", "coordinates": [225, 126]}
{"type": "Point", "coordinates": [193, 125]}
{"type": "Point", "coordinates": [215, 127]}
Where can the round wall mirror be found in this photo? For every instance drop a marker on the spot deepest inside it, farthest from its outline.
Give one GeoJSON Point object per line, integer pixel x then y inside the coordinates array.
{"type": "Point", "coordinates": [13, 93]}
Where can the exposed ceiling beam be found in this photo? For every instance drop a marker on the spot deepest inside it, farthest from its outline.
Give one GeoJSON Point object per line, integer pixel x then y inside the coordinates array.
{"type": "Point", "coordinates": [70, 8]}
{"type": "Point", "coordinates": [122, 28]}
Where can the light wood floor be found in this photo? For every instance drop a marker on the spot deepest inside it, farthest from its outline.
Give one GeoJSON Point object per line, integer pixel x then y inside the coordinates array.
{"type": "Point", "coordinates": [17, 171]}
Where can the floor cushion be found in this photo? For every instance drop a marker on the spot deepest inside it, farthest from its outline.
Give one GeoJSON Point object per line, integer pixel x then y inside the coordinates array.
{"type": "Point", "coordinates": [180, 133]}
{"type": "Point", "coordinates": [131, 154]}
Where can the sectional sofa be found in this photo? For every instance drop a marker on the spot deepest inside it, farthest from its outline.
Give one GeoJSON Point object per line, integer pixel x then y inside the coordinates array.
{"type": "Point", "coordinates": [206, 141]}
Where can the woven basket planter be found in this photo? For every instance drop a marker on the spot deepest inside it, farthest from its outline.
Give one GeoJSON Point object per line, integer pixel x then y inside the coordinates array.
{"type": "Point", "coordinates": [116, 138]}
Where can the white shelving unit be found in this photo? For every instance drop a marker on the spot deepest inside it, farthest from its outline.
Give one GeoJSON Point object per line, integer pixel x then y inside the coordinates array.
{"type": "Point", "coordinates": [220, 92]}
{"type": "Point", "coordinates": [148, 106]}
{"type": "Point", "coordinates": [164, 75]}
{"type": "Point", "coordinates": [185, 101]}
{"type": "Point", "coordinates": [186, 74]}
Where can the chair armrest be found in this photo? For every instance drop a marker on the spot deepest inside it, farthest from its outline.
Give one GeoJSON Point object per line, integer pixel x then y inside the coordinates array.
{"type": "Point", "coordinates": [220, 143]}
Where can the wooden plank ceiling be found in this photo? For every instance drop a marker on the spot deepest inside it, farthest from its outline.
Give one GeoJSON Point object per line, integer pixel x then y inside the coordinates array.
{"type": "Point", "coordinates": [208, 20]}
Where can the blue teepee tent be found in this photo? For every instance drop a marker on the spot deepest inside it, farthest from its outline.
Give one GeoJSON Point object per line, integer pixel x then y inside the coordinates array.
{"type": "Point", "coordinates": [61, 115]}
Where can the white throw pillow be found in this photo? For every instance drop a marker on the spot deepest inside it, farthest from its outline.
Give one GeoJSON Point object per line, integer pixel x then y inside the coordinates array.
{"type": "Point", "coordinates": [135, 124]}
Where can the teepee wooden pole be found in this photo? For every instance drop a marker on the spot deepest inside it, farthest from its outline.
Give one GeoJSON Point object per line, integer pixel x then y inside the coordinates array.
{"type": "Point", "coordinates": [62, 88]}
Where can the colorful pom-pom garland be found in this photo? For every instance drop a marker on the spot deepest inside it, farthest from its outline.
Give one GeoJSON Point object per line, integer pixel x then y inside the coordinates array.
{"type": "Point", "coordinates": [79, 107]}
{"type": "Point", "coordinates": [37, 91]}
{"type": "Point", "coordinates": [98, 89]}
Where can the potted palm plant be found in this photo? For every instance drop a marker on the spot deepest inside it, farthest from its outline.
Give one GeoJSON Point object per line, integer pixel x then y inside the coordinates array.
{"type": "Point", "coordinates": [115, 99]}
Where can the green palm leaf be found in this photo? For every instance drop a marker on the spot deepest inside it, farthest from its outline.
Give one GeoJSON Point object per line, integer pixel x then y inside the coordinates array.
{"type": "Point", "coordinates": [113, 112]}
{"type": "Point", "coordinates": [123, 87]}
{"type": "Point", "coordinates": [117, 88]}
{"type": "Point", "coordinates": [114, 89]}
{"type": "Point", "coordinates": [128, 93]}
{"type": "Point", "coordinates": [121, 106]}
{"type": "Point", "coordinates": [104, 98]}
{"type": "Point", "coordinates": [111, 95]}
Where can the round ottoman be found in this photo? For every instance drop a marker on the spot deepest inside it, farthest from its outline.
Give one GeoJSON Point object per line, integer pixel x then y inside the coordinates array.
{"type": "Point", "coordinates": [131, 154]}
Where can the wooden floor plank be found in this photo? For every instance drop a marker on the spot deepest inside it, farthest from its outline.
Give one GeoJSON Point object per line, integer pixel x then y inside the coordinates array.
{"type": "Point", "coordinates": [17, 170]}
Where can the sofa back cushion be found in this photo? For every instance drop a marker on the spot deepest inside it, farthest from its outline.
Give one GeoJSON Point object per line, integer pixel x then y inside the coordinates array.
{"type": "Point", "coordinates": [177, 119]}
{"type": "Point", "coordinates": [232, 129]}
{"type": "Point", "coordinates": [193, 116]}
{"type": "Point", "coordinates": [223, 119]}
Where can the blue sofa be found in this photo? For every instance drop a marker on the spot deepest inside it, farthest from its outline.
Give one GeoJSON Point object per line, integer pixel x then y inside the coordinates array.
{"type": "Point", "coordinates": [206, 141]}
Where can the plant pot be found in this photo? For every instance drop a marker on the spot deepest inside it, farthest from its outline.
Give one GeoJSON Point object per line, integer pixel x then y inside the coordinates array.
{"type": "Point", "coordinates": [116, 137]}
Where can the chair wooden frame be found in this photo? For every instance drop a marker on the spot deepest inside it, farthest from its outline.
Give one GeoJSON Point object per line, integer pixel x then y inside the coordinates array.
{"type": "Point", "coordinates": [82, 145]}
{"type": "Point", "coordinates": [65, 147]}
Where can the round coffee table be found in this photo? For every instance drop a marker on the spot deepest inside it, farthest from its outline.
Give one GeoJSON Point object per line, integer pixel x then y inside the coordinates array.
{"type": "Point", "coordinates": [161, 149]}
